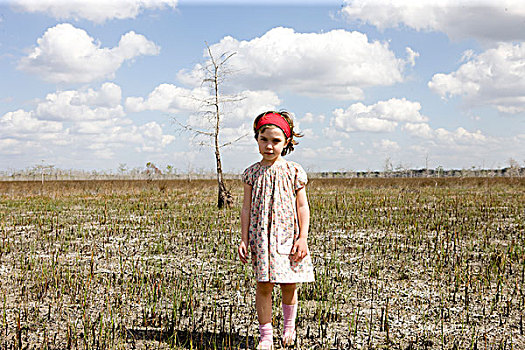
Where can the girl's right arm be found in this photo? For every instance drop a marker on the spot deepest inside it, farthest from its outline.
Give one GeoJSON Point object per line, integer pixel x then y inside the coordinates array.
{"type": "Point", "coordinates": [245, 222]}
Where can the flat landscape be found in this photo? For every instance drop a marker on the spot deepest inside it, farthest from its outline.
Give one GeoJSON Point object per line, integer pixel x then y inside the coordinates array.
{"type": "Point", "coordinates": [416, 263]}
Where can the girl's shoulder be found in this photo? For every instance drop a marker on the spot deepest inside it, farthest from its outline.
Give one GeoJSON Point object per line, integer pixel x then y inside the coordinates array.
{"type": "Point", "coordinates": [248, 173]}
{"type": "Point", "coordinates": [299, 175]}
{"type": "Point", "coordinates": [252, 167]}
{"type": "Point", "coordinates": [295, 166]}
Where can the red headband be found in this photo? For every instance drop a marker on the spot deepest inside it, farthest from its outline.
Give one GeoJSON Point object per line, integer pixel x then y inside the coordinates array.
{"type": "Point", "coordinates": [277, 120]}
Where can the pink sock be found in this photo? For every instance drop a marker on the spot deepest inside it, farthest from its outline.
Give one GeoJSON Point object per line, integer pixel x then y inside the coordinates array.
{"type": "Point", "coordinates": [289, 314]}
{"type": "Point", "coordinates": [266, 332]}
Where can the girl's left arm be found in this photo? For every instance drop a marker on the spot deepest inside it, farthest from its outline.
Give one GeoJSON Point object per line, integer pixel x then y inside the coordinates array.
{"type": "Point", "coordinates": [303, 212]}
{"type": "Point", "coordinates": [300, 248]}
{"type": "Point", "coordinates": [245, 223]}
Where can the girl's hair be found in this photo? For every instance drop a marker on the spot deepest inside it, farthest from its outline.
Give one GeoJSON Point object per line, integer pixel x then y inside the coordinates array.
{"type": "Point", "coordinates": [288, 117]}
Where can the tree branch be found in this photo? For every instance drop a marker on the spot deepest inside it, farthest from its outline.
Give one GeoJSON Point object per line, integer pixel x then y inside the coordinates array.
{"type": "Point", "coordinates": [192, 129]}
{"type": "Point", "coordinates": [231, 142]}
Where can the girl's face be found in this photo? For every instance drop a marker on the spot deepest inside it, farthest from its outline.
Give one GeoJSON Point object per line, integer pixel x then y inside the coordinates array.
{"type": "Point", "coordinates": [271, 143]}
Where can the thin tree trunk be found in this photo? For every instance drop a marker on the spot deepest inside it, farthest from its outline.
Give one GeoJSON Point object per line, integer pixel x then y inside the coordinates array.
{"type": "Point", "coordinates": [224, 196]}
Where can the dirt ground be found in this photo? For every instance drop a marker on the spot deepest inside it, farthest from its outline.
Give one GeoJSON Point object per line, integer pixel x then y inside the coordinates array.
{"type": "Point", "coordinates": [399, 264]}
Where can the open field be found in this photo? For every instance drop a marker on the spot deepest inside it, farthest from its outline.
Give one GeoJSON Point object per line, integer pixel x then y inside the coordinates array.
{"type": "Point", "coordinates": [400, 264]}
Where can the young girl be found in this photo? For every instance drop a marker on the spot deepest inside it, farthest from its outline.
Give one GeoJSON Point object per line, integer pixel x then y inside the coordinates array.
{"type": "Point", "coordinates": [274, 219]}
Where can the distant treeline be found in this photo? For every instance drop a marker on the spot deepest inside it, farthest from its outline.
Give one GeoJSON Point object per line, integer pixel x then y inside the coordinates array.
{"type": "Point", "coordinates": [505, 172]}
{"type": "Point", "coordinates": [149, 173]}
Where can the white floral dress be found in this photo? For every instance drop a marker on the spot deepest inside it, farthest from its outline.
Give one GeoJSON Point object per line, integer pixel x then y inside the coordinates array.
{"type": "Point", "coordinates": [273, 225]}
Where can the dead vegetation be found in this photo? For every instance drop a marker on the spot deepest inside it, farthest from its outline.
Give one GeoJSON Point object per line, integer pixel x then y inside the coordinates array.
{"type": "Point", "coordinates": [400, 264]}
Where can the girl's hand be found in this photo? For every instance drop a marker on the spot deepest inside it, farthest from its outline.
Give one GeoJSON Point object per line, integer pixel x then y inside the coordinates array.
{"type": "Point", "coordinates": [243, 252]}
{"type": "Point", "coordinates": [299, 250]}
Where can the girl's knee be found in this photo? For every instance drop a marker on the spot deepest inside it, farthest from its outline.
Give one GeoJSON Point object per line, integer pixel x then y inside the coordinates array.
{"type": "Point", "coordinates": [264, 287]}
{"type": "Point", "coordinates": [288, 287]}
{"type": "Point", "coordinates": [289, 292]}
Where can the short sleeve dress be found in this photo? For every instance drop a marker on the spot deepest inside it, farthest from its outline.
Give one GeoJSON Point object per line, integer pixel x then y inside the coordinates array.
{"type": "Point", "coordinates": [273, 225]}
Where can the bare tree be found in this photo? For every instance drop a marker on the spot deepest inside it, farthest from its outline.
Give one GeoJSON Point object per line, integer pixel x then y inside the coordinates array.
{"type": "Point", "coordinates": [514, 168]}
{"type": "Point", "coordinates": [42, 169]}
{"type": "Point", "coordinates": [152, 171]}
{"type": "Point", "coordinates": [216, 71]}
{"type": "Point", "coordinates": [388, 167]}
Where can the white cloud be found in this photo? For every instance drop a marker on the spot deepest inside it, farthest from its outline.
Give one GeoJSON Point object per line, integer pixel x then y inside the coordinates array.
{"type": "Point", "coordinates": [308, 118]}
{"type": "Point", "coordinates": [132, 44]}
{"type": "Point", "coordinates": [457, 137]}
{"type": "Point", "coordinates": [380, 117]}
{"type": "Point", "coordinates": [19, 124]}
{"type": "Point", "coordinates": [108, 96]}
{"type": "Point", "coordinates": [82, 105]}
{"type": "Point", "coordinates": [65, 54]}
{"type": "Point", "coordinates": [96, 11]}
{"type": "Point", "coordinates": [10, 146]}
{"type": "Point", "coordinates": [237, 116]}
{"type": "Point", "coordinates": [349, 123]}
{"type": "Point", "coordinates": [422, 130]}
{"type": "Point", "coordinates": [153, 137]}
{"type": "Point", "coordinates": [193, 77]}
{"type": "Point", "coordinates": [311, 118]}
{"type": "Point", "coordinates": [395, 109]}
{"type": "Point", "coordinates": [230, 135]}
{"type": "Point", "coordinates": [460, 136]}
{"type": "Point", "coordinates": [412, 55]}
{"type": "Point", "coordinates": [337, 64]}
{"type": "Point", "coordinates": [386, 145]}
{"type": "Point", "coordinates": [22, 134]}
{"type": "Point", "coordinates": [495, 77]}
{"type": "Point", "coordinates": [186, 105]}
{"type": "Point", "coordinates": [309, 134]}
{"type": "Point", "coordinates": [99, 127]}
{"type": "Point", "coordinates": [90, 123]}
{"type": "Point", "coordinates": [485, 20]}
{"type": "Point", "coordinates": [252, 104]}
{"type": "Point", "coordinates": [168, 98]}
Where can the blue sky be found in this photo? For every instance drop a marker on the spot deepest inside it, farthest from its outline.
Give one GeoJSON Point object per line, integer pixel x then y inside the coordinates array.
{"type": "Point", "coordinates": [96, 84]}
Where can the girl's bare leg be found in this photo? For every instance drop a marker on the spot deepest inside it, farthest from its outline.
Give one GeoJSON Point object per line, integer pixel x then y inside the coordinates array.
{"type": "Point", "coordinates": [263, 302]}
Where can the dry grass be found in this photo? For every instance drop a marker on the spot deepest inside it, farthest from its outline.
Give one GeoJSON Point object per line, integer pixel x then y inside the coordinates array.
{"type": "Point", "coordinates": [400, 263]}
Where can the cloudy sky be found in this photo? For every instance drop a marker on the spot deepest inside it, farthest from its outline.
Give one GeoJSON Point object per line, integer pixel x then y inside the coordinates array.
{"type": "Point", "coordinates": [93, 84]}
